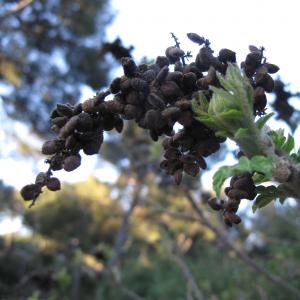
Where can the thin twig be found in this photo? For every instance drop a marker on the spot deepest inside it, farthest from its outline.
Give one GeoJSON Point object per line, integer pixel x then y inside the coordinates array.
{"type": "Point", "coordinates": [179, 260]}
{"type": "Point", "coordinates": [278, 281]}
{"type": "Point", "coordinates": [130, 293]}
{"type": "Point", "coordinates": [20, 6]}
{"type": "Point", "coordinates": [122, 235]}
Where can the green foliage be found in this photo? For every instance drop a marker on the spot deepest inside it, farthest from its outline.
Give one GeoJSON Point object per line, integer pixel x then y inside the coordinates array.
{"type": "Point", "coordinates": [85, 213]}
{"type": "Point", "coordinates": [287, 145]}
{"type": "Point", "coordinates": [267, 194]}
{"type": "Point", "coordinates": [263, 120]}
{"type": "Point", "coordinates": [230, 108]}
{"type": "Point", "coordinates": [259, 164]}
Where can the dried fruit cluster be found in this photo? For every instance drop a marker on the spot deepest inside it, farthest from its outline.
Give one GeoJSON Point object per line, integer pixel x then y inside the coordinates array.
{"type": "Point", "coordinates": [156, 96]}
{"type": "Point", "coordinates": [258, 71]}
{"type": "Point", "coordinates": [241, 187]}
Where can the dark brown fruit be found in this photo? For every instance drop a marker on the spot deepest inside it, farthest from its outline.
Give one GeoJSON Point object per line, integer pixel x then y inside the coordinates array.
{"type": "Point", "coordinates": [51, 147]}
{"type": "Point", "coordinates": [226, 55]}
{"type": "Point", "coordinates": [30, 191]}
{"type": "Point", "coordinates": [53, 184]}
{"type": "Point", "coordinates": [214, 203]}
{"type": "Point", "coordinates": [71, 162]}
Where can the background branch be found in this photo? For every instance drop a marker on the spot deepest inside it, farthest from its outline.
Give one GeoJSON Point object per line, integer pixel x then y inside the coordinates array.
{"type": "Point", "coordinates": [176, 255]}
{"type": "Point", "coordinates": [20, 6]}
{"type": "Point", "coordinates": [278, 281]}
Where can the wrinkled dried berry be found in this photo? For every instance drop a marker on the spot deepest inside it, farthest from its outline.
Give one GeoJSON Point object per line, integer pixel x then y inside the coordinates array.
{"type": "Point", "coordinates": [30, 191]}
{"type": "Point", "coordinates": [53, 184]}
{"type": "Point", "coordinates": [72, 162]}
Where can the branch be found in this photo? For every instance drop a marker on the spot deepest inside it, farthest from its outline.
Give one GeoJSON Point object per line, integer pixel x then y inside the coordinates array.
{"type": "Point", "coordinates": [130, 293]}
{"type": "Point", "coordinates": [122, 235]}
{"type": "Point", "coordinates": [20, 6]}
{"type": "Point", "coordinates": [178, 259]}
{"type": "Point", "coordinates": [278, 281]}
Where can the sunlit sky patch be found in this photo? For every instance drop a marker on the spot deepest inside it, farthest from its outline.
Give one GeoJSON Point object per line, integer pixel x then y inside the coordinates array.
{"type": "Point", "coordinates": [233, 24]}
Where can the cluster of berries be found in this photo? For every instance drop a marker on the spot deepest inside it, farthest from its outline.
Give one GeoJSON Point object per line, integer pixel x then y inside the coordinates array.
{"type": "Point", "coordinates": [241, 187]}
{"type": "Point", "coordinates": [258, 71]}
{"type": "Point", "coordinates": [156, 96]}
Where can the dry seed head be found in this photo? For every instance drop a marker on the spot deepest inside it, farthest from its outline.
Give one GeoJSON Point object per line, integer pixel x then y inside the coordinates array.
{"type": "Point", "coordinates": [139, 84]}
{"type": "Point", "coordinates": [41, 178]}
{"type": "Point", "coordinates": [30, 191]}
{"type": "Point", "coordinates": [69, 128]}
{"type": "Point", "coordinates": [51, 147]}
{"type": "Point", "coordinates": [72, 162]}
{"type": "Point", "coordinates": [115, 85]}
{"type": "Point", "coordinates": [214, 203]}
{"type": "Point", "coordinates": [226, 55]}
{"type": "Point", "coordinates": [194, 37]}
{"type": "Point", "coordinates": [174, 54]}
{"type": "Point", "coordinates": [162, 74]}
{"type": "Point", "coordinates": [156, 101]}
{"type": "Point", "coordinates": [238, 194]}
{"type": "Point", "coordinates": [191, 169]}
{"type": "Point", "coordinates": [64, 110]}
{"type": "Point", "coordinates": [53, 184]}
{"type": "Point", "coordinates": [171, 113]}
{"type": "Point", "coordinates": [162, 61]}
{"type": "Point", "coordinates": [56, 162]}
{"type": "Point", "coordinates": [59, 121]}
{"type": "Point", "coordinates": [170, 90]}
{"type": "Point", "coordinates": [88, 106]}
{"type": "Point", "coordinates": [271, 68]}
{"type": "Point", "coordinates": [232, 217]}
{"type": "Point", "coordinates": [129, 66]}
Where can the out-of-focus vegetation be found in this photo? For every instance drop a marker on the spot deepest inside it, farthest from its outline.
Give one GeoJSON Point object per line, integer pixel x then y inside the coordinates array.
{"type": "Point", "coordinates": [48, 52]}
{"type": "Point", "coordinates": [72, 237]}
{"type": "Point", "coordinates": [138, 238]}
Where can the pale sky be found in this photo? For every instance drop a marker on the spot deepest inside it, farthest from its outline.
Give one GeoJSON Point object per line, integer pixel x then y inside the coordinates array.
{"type": "Point", "coordinates": [147, 25]}
{"type": "Point", "coordinates": [232, 24]}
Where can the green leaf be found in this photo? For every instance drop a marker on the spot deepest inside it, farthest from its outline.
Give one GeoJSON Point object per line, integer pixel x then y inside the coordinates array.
{"type": "Point", "coordinates": [260, 164]}
{"type": "Point", "coordinates": [295, 157]}
{"type": "Point", "coordinates": [289, 144]}
{"type": "Point", "coordinates": [278, 138]}
{"type": "Point", "coordinates": [241, 133]}
{"type": "Point", "coordinates": [267, 194]}
{"type": "Point", "coordinates": [200, 103]}
{"type": "Point", "coordinates": [231, 114]}
{"type": "Point", "coordinates": [219, 177]}
{"type": "Point", "coordinates": [223, 133]}
{"type": "Point", "coordinates": [262, 200]}
{"type": "Point", "coordinates": [259, 178]}
{"type": "Point", "coordinates": [263, 120]}
{"type": "Point", "coordinates": [244, 165]}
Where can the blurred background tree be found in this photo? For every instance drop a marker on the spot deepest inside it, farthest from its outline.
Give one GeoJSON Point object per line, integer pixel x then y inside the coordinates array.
{"type": "Point", "coordinates": [136, 238]}
{"type": "Point", "coordinates": [50, 51]}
